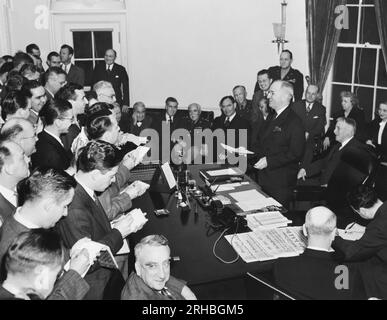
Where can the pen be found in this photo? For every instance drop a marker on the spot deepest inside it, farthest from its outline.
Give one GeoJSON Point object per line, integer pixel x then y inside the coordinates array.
{"type": "Point", "coordinates": [350, 227]}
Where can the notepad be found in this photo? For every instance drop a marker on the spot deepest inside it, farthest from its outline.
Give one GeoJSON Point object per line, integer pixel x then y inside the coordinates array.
{"type": "Point", "coordinates": [224, 172]}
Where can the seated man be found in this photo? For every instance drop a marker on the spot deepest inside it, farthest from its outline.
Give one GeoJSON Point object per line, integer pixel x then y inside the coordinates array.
{"type": "Point", "coordinates": [44, 198]}
{"type": "Point", "coordinates": [33, 263]}
{"type": "Point", "coordinates": [152, 280]}
{"type": "Point", "coordinates": [139, 121]}
{"type": "Point", "coordinates": [372, 247]}
{"type": "Point", "coordinates": [319, 173]}
{"type": "Point", "coordinates": [97, 166]}
{"type": "Point", "coordinates": [313, 275]}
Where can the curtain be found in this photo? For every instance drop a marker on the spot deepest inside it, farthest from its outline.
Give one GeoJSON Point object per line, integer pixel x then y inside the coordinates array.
{"type": "Point", "coordinates": [381, 11]}
{"type": "Point", "coordinates": [322, 37]}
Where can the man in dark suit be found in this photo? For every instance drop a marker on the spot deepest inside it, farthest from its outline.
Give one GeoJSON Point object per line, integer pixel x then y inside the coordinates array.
{"type": "Point", "coordinates": [75, 74]}
{"type": "Point", "coordinates": [138, 122]}
{"type": "Point", "coordinates": [319, 173]}
{"type": "Point", "coordinates": [74, 94]}
{"type": "Point", "coordinates": [50, 151]}
{"type": "Point", "coordinates": [377, 138]}
{"type": "Point", "coordinates": [54, 79]}
{"type": "Point", "coordinates": [281, 145]}
{"type": "Point", "coordinates": [116, 75]}
{"type": "Point", "coordinates": [44, 197]}
{"type": "Point", "coordinates": [13, 168]}
{"type": "Point", "coordinates": [5, 69]}
{"type": "Point", "coordinates": [314, 274]}
{"type": "Point", "coordinates": [313, 115]}
{"type": "Point", "coordinates": [285, 72]}
{"type": "Point", "coordinates": [97, 166]}
{"type": "Point", "coordinates": [371, 248]}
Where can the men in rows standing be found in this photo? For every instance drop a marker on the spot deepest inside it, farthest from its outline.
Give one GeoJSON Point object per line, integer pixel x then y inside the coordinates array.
{"type": "Point", "coordinates": [115, 74]}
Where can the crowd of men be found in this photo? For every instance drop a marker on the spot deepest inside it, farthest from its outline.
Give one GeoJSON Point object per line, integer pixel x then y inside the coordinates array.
{"type": "Point", "coordinates": [66, 157]}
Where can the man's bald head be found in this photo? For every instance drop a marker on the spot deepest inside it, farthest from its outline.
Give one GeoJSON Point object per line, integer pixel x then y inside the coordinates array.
{"type": "Point", "coordinates": [22, 132]}
{"type": "Point", "coordinates": [320, 221]}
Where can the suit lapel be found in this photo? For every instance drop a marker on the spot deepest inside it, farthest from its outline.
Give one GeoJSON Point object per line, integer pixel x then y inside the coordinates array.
{"type": "Point", "coordinates": [7, 204]}
{"type": "Point", "coordinates": [276, 123]}
{"type": "Point", "coordinates": [52, 141]}
{"type": "Point", "coordinates": [96, 210]}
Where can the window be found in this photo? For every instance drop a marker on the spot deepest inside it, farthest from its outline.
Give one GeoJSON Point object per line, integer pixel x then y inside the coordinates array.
{"type": "Point", "coordinates": [359, 64]}
{"type": "Point", "coordinates": [89, 49]}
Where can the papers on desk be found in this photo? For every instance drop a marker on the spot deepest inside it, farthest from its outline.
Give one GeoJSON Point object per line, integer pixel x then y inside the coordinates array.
{"type": "Point", "coordinates": [224, 172]}
{"type": "Point", "coordinates": [266, 221]}
{"type": "Point", "coordinates": [168, 174]}
{"type": "Point", "coordinates": [269, 244]}
{"type": "Point", "coordinates": [353, 233]}
{"type": "Point", "coordinates": [228, 187]}
{"type": "Point", "coordinates": [252, 200]}
{"type": "Point", "coordinates": [240, 150]}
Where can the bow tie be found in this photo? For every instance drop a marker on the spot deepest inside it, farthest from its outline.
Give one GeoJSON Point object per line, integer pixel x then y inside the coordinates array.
{"type": "Point", "coordinates": [139, 124]}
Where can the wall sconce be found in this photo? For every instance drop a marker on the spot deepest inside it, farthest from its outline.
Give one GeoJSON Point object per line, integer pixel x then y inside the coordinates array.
{"type": "Point", "coordinates": [280, 28]}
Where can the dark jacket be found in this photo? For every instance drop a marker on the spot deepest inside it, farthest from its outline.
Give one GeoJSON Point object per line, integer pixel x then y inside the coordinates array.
{"type": "Point", "coordinates": [118, 77]}
{"type": "Point", "coordinates": [87, 219]}
{"type": "Point", "coordinates": [373, 135]}
{"type": "Point", "coordinates": [76, 75]}
{"type": "Point", "coordinates": [6, 208]}
{"type": "Point", "coordinates": [50, 153]}
{"type": "Point", "coordinates": [313, 275]}
{"type": "Point", "coordinates": [295, 77]}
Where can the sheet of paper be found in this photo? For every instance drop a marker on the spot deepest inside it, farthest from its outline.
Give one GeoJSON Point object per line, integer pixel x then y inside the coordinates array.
{"type": "Point", "coordinates": [169, 175]}
{"type": "Point", "coordinates": [224, 172]}
{"type": "Point", "coordinates": [267, 220]}
{"type": "Point", "coordinates": [125, 249]}
{"type": "Point", "coordinates": [268, 244]}
{"type": "Point", "coordinates": [240, 150]}
{"type": "Point", "coordinates": [351, 235]}
{"type": "Point", "coordinates": [248, 196]}
{"type": "Point", "coordinates": [141, 152]}
{"type": "Point", "coordinates": [229, 186]}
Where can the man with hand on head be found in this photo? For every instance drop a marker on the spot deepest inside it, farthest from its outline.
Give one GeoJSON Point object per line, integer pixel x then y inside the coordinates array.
{"type": "Point", "coordinates": [152, 279]}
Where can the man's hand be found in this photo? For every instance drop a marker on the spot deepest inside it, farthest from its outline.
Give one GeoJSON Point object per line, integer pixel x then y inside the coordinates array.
{"type": "Point", "coordinates": [327, 143]}
{"type": "Point", "coordinates": [369, 142]}
{"type": "Point", "coordinates": [306, 136]}
{"type": "Point", "coordinates": [301, 174]}
{"type": "Point", "coordinates": [125, 109]}
{"type": "Point", "coordinates": [80, 262]}
{"type": "Point", "coordinates": [261, 164]}
{"type": "Point", "coordinates": [188, 294]}
{"type": "Point", "coordinates": [136, 189]}
{"type": "Point", "coordinates": [126, 225]}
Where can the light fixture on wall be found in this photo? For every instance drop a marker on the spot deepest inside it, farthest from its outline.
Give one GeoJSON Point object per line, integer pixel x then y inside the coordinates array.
{"type": "Point", "coordinates": [280, 28]}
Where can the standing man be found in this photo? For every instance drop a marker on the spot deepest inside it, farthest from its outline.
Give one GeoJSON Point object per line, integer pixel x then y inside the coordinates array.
{"type": "Point", "coordinates": [74, 73]}
{"type": "Point", "coordinates": [53, 59]}
{"type": "Point", "coordinates": [313, 116]}
{"type": "Point", "coordinates": [280, 146]}
{"type": "Point", "coordinates": [115, 74]}
{"type": "Point", "coordinates": [37, 94]}
{"type": "Point", "coordinates": [285, 72]}
{"type": "Point", "coordinates": [55, 78]}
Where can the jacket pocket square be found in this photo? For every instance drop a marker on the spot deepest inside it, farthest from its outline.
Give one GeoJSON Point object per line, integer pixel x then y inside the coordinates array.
{"type": "Point", "coordinates": [316, 117]}
{"type": "Point", "coordinates": [117, 77]}
{"type": "Point", "coordinates": [277, 129]}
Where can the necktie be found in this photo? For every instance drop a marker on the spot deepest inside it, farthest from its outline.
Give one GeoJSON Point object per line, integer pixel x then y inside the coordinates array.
{"type": "Point", "coordinates": [170, 120]}
{"type": "Point", "coordinates": [109, 70]}
{"type": "Point", "coordinates": [265, 94]}
{"type": "Point", "coordinates": [165, 292]}
{"type": "Point", "coordinates": [308, 108]}
{"type": "Point", "coordinates": [227, 124]}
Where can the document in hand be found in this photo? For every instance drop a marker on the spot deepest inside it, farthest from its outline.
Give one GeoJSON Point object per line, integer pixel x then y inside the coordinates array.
{"type": "Point", "coordinates": [95, 249]}
{"type": "Point", "coordinates": [269, 244]}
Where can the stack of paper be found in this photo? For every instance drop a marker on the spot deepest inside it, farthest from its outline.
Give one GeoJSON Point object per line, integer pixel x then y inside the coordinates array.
{"type": "Point", "coordinates": [269, 244]}
{"type": "Point", "coordinates": [267, 220]}
{"type": "Point", "coordinates": [252, 200]}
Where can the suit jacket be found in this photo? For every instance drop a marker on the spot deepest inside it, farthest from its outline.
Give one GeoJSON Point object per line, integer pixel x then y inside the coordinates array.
{"type": "Point", "coordinates": [295, 77]}
{"type": "Point", "coordinates": [68, 138]}
{"type": "Point", "coordinates": [5, 295]}
{"type": "Point", "coordinates": [49, 95]}
{"type": "Point", "coordinates": [137, 289]}
{"type": "Point", "coordinates": [373, 135]}
{"type": "Point", "coordinates": [50, 153]}
{"type": "Point", "coordinates": [33, 118]}
{"type": "Point", "coordinates": [86, 218]}
{"type": "Point", "coordinates": [372, 244]}
{"type": "Point", "coordinates": [129, 127]}
{"type": "Point", "coordinates": [237, 124]}
{"type": "Point", "coordinates": [71, 286]}
{"type": "Point", "coordinates": [118, 77]}
{"type": "Point", "coordinates": [357, 115]}
{"type": "Point", "coordinates": [6, 208]}
{"type": "Point", "coordinates": [312, 276]}
{"type": "Point", "coordinates": [282, 142]}
{"type": "Point", "coordinates": [76, 75]}
{"type": "Point", "coordinates": [331, 162]}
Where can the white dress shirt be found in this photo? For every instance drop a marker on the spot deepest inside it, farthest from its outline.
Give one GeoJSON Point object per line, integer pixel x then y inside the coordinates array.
{"type": "Point", "coordinates": [281, 110]}
{"type": "Point", "coordinates": [23, 221]}
{"type": "Point", "coordinates": [321, 249]}
{"type": "Point", "coordinates": [9, 195]}
{"type": "Point", "coordinates": [345, 143]}
{"type": "Point", "coordinates": [381, 130]}
{"type": "Point", "coordinates": [89, 191]}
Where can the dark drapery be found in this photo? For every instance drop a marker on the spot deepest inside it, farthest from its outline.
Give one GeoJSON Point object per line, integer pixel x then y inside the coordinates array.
{"type": "Point", "coordinates": [322, 36]}
{"type": "Point", "coordinates": [381, 11]}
